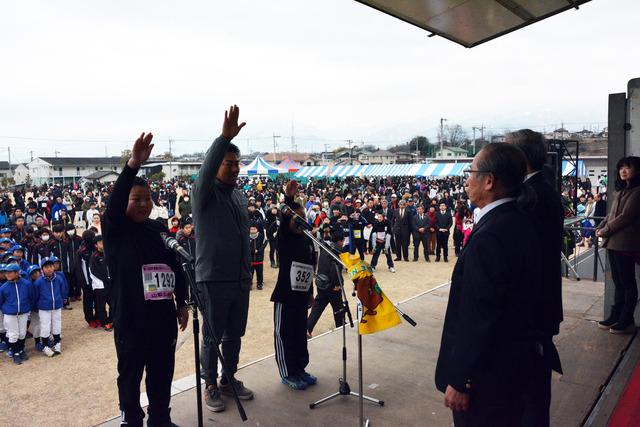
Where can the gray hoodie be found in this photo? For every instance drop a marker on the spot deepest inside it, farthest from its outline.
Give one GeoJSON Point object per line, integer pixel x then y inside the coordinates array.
{"type": "Point", "coordinates": [221, 224]}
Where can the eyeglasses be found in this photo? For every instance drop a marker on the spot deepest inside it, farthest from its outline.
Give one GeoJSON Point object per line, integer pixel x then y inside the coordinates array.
{"type": "Point", "coordinates": [467, 172]}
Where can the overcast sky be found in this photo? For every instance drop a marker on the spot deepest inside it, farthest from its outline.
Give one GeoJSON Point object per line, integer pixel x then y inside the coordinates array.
{"type": "Point", "coordinates": [84, 77]}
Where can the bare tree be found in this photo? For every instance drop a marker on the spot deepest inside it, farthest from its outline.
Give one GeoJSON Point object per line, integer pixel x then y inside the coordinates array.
{"type": "Point", "coordinates": [455, 135]}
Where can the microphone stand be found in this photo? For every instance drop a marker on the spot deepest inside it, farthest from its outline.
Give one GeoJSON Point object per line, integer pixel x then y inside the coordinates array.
{"type": "Point", "coordinates": [344, 389]}
{"type": "Point", "coordinates": [194, 303]}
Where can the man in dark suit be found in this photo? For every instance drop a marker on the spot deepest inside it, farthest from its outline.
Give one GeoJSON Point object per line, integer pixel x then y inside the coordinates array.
{"type": "Point", "coordinates": [421, 224]}
{"type": "Point", "coordinates": [443, 224]}
{"type": "Point", "coordinates": [402, 230]}
{"type": "Point", "coordinates": [490, 344]}
{"type": "Point", "coordinates": [547, 214]}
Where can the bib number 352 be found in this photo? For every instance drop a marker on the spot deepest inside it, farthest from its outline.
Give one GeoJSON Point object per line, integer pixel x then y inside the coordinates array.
{"type": "Point", "coordinates": [301, 276]}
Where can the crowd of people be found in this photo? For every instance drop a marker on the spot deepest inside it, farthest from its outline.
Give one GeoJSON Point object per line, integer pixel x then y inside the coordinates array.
{"type": "Point", "coordinates": [52, 254]}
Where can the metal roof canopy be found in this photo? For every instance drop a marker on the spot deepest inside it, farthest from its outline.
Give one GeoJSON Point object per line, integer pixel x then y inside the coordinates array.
{"type": "Point", "coordinates": [472, 22]}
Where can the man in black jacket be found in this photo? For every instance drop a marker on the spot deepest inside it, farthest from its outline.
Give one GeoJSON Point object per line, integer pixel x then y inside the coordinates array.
{"type": "Point", "coordinates": [547, 214]}
{"type": "Point", "coordinates": [145, 277]}
{"type": "Point", "coordinates": [443, 224]}
{"type": "Point", "coordinates": [490, 341]}
{"type": "Point", "coordinates": [421, 224]}
{"type": "Point", "coordinates": [402, 230]}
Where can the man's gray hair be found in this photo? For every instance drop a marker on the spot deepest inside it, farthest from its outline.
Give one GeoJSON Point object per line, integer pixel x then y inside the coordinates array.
{"type": "Point", "coordinates": [532, 144]}
{"type": "Point", "coordinates": [507, 164]}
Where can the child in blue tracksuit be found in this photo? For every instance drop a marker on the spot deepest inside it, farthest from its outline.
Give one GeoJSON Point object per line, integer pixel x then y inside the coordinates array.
{"type": "Point", "coordinates": [34, 274]}
{"type": "Point", "coordinates": [50, 291]}
{"type": "Point", "coordinates": [16, 297]}
{"type": "Point", "coordinates": [4, 345]}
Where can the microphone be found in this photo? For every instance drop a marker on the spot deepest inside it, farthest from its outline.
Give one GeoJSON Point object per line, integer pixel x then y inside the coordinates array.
{"type": "Point", "coordinates": [172, 244]}
{"type": "Point", "coordinates": [286, 210]}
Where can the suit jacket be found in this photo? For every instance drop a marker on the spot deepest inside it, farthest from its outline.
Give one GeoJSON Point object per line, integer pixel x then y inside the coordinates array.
{"type": "Point", "coordinates": [443, 220]}
{"type": "Point", "coordinates": [402, 224]}
{"type": "Point", "coordinates": [418, 223]}
{"type": "Point", "coordinates": [489, 335]}
{"type": "Point", "coordinates": [548, 217]}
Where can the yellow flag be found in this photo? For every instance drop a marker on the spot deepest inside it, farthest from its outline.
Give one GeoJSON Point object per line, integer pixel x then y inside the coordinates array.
{"type": "Point", "coordinates": [378, 312]}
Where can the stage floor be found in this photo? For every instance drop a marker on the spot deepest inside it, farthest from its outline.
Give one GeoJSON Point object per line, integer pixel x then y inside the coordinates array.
{"type": "Point", "coordinates": [399, 368]}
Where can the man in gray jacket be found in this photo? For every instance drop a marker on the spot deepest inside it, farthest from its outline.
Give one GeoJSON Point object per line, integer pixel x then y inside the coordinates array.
{"type": "Point", "coordinates": [223, 273]}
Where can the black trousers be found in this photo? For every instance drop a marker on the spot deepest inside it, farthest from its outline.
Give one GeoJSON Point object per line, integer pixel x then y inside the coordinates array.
{"type": "Point", "coordinates": [323, 298]}
{"type": "Point", "coordinates": [623, 272]}
{"type": "Point", "coordinates": [227, 306]}
{"type": "Point", "coordinates": [258, 269]}
{"type": "Point", "coordinates": [442, 244]}
{"type": "Point", "coordinates": [290, 338]}
{"type": "Point", "coordinates": [358, 244]}
{"type": "Point", "coordinates": [88, 304]}
{"type": "Point", "coordinates": [100, 298]}
{"type": "Point", "coordinates": [402, 245]}
{"type": "Point", "coordinates": [153, 353]}
{"type": "Point", "coordinates": [273, 251]}
{"type": "Point", "coordinates": [376, 255]}
{"type": "Point", "coordinates": [419, 238]}
{"type": "Point", "coordinates": [537, 398]}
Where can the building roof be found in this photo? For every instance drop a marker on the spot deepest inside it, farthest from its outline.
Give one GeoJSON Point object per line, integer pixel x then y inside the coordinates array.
{"type": "Point", "coordinates": [5, 165]}
{"type": "Point", "coordinates": [381, 153]}
{"type": "Point", "coordinates": [455, 149]}
{"type": "Point", "coordinates": [81, 161]}
{"type": "Point", "coordinates": [100, 174]}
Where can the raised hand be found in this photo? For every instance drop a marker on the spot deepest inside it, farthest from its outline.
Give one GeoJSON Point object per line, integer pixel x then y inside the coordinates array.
{"type": "Point", "coordinates": [141, 150]}
{"type": "Point", "coordinates": [291, 189]}
{"type": "Point", "coordinates": [230, 126]}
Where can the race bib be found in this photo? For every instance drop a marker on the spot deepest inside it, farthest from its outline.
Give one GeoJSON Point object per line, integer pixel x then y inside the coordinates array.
{"type": "Point", "coordinates": [301, 275]}
{"type": "Point", "coordinates": [357, 234]}
{"type": "Point", "coordinates": [158, 281]}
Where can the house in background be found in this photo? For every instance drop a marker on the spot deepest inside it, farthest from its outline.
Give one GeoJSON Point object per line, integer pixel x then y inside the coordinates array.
{"type": "Point", "coordinates": [67, 170]}
{"type": "Point", "coordinates": [20, 173]}
{"type": "Point", "coordinates": [451, 152]}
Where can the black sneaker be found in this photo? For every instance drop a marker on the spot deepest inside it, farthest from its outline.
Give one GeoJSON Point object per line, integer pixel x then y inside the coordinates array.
{"type": "Point", "coordinates": [243, 392]}
{"type": "Point", "coordinates": [213, 399]}
{"type": "Point", "coordinates": [259, 287]}
{"type": "Point", "coordinates": [607, 323]}
{"type": "Point", "coordinates": [623, 328]}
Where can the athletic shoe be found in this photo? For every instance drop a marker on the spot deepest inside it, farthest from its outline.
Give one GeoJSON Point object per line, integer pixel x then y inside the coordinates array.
{"type": "Point", "coordinates": [17, 359]}
{"type": "Point", "coordinates": [373, 269]}
{"type": "Point", "coordinates": [51, 343]}
{"type": "Point", "coordinates": [57, 349]}
{"type": "Point", "coordinates": [259, 287]}
{"type": "Point", "coordinates": [108, 327]}
{"type": "Point", "coordinates": [308, 378]}
{"type": "Point", "coordinates": [39, 346]}
{"type": "Point", "coordinates": [213, 399]}
{"type": "Point", "coordinates": [294, 383]}
{"type": "Point", "coordinates": [93, 324]}
{"type": "Point", "coordinates": [3, 346]}
{"type": "Point", "coordinates": [48, 352]}
{"type": "Point", "coordinates": [9, 353]}
{"type": "Point", "coordinates": [243, 392]}
{"type": "Point", "coordinates": [23, 355]}
{"type": "Point", "coordinates": [623, 328]}
{"type": "Point", "coordinates": [391, 269]}
{"type": "Point", "coordinates": [607, 323]}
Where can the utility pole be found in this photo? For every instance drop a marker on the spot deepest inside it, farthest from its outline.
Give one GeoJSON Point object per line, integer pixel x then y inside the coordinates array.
{"type": "Point", "coordinates": [442, 120]}
{"type": "Point", "coordinates": [55, 153]}
{"type": "Point", "coordinates": [324, 159]}
{"type": "Point", "coordinates": [349, 141]}
{"type": "Point", "coordinates": [31, 152]}
{"type": "Point", "coordinates": [481, 129]}
{"type": "Point", "coordinates": [274, 146]}
{"type": "Point", "coordinates": [9, 154]}
{"type": "Point", "coordinates": [170, 160]}
{"type": "Point", "coordinates": [293, 139]}
{"type": "Point", "coordinates": [105, 150]}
